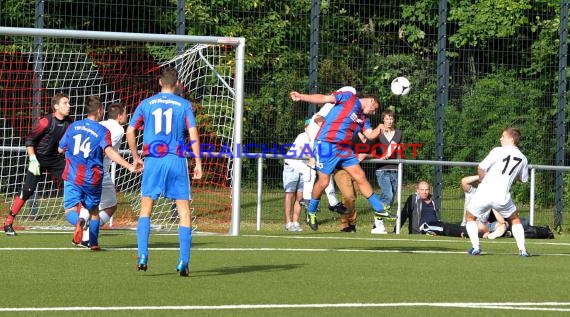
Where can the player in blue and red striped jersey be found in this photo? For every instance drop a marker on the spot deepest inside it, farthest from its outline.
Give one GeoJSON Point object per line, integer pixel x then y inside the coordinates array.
{"type": "Point", "coordinates": [41, 146]}
{"type": "Point", "coordinates": [84, 144]}
{"type": "Point", "coordinates": [166, 118]}
{"type": "Point", "coordinates": [332, 147]}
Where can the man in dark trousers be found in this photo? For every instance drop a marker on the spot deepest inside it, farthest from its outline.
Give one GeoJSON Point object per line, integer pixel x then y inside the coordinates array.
{"type": "Point", "coordinates": [423, 215]}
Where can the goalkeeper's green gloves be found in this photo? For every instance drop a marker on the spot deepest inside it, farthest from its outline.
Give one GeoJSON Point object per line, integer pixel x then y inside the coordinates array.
{"type": "Point", "coordinates": [34, 165]}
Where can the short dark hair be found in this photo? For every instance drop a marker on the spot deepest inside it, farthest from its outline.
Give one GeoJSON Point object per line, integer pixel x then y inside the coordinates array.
{"type": "Point", "coordinates": [55, 99]}
{"type": "Point", "coordinates": [168, 76]}
{"type": "Point", "coordinates": [92, 105]}
{"type": "Point", "coordinates": [514, 133]}
{"type": "Point", "coordinates": [371, 96]}
{"type": "Point", "coordinates": [115, 110]}
{"type": "Point", "coordinates": [389, 112]}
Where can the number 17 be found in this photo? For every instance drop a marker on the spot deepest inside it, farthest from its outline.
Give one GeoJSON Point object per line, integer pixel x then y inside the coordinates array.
{"type": "Point", "coordinates": [507, 160]}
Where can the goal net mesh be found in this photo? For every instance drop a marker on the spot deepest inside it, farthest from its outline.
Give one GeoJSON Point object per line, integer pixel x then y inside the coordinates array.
{"type": "Point", "coordinates": [125, 72]}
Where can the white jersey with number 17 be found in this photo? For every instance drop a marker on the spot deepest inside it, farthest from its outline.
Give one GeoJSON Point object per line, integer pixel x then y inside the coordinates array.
{"type": "Point", "coordinates": [503, 165]}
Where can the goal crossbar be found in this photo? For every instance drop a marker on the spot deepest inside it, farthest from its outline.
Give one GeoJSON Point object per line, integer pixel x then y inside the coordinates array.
{"type": "Point", "coordinates": [237, 42]}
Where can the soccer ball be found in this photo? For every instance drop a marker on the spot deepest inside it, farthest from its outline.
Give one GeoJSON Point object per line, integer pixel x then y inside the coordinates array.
{"type": "Point", "coordinates": [400, 86]}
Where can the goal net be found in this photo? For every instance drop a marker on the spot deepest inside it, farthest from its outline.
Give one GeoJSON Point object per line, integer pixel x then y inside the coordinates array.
{"type": "Point", "coordinates": [32, 71]}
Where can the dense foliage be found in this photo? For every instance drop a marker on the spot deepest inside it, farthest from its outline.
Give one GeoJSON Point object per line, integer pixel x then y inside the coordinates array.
{"type": "Point", "coordinates": [502, 58]}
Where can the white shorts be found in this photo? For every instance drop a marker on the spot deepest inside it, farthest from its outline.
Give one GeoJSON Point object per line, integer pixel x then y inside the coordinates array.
{"type": "Point", "coordinates": [481, 203]}
{"type": "Point", "coordinates": [109, 194]}
{"type": "Point", "coordinates": [292, 180]}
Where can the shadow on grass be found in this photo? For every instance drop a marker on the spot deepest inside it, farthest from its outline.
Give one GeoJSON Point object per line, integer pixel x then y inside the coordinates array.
{"type": "Point", "coordinates": [246, 269]}
{"type": "Point", "coordinates": [164, 244]}
{"type": "Point", "coordinates": [406, 249]}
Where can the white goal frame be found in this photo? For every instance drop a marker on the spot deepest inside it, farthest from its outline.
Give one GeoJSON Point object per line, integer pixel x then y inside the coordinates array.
{"type": "Point", "coordinates": [237, 42]}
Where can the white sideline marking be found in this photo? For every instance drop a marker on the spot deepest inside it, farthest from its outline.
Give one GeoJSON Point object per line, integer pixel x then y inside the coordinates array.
{"type": "Point", "coordinates": [280, 250]}
{"type": "Point", "coordinates": [533, 306]}
{"type": "Point", "coordinates": [433, 239]}
{"type": "Point", "coordinates": [441, 239]}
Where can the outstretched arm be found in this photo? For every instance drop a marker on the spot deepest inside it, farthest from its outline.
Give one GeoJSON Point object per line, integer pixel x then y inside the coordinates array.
{"type": "Point", "coordinates": [312, 98]}
{"type": "Point", "coordinates": [116, 157]}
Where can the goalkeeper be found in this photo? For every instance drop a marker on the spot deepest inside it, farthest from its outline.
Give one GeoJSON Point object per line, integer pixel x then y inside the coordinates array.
{"type": "Point", "coordinates": [41, 146]}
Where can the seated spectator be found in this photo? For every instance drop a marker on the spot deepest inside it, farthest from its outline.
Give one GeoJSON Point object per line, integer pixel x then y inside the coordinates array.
{"type": "Point", "coordinates": [423, 215]}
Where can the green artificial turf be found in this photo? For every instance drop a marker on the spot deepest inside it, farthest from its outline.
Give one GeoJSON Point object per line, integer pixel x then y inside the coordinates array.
{"type": "Point", "coordinates": [310, 274]}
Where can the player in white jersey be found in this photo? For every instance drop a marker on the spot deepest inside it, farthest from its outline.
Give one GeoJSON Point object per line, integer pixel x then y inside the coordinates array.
{"type": "Point", "coordinates": [117, 118]}
{"type": "Point", "coordinates": [497, 172]}
{"type": "Point", "coordinates": [312, 130]}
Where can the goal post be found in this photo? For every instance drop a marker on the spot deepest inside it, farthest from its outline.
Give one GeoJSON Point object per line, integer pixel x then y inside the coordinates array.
{"type": "Point", "coordinates": [123, 67]}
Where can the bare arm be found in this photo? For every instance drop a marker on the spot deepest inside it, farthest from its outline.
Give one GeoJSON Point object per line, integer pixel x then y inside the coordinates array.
{"type": "Point", "coordinates": [193, 132]}
{"type": "Point", "coordinates": [313, 98]}
{"type": "Point", "coordinates": [132, 142]}
{"type": "Point", "coordinates": [116, 157]}
{"type": "Point", "coordinates": [467, 181]}
{"type": "Point", "coordinates": [372, 134]}
{"type": "Point", "coordinates": [498, 216]}
{"type": "Point", "coordinates": [481, 173]}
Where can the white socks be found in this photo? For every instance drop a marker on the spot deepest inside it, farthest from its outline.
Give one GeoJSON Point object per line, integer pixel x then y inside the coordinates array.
{"type": "Point", "coordinates": [473, 232]}
{"type": "Point", "coordinates": [518, 234]}
{"type": "Point", "coordinates": [331, 193]}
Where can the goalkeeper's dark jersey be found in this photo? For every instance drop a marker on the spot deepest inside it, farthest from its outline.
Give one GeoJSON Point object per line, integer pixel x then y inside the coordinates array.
{"type": "Point", "coordinates": [45, 136]}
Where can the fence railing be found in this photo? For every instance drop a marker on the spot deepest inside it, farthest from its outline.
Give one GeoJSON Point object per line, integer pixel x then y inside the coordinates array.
{"type": "Point", "coordinates": [401, 163]}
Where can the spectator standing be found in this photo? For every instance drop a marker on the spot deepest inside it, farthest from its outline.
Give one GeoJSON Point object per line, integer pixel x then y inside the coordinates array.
{"type": "Point", "coordinates": [387, 173]}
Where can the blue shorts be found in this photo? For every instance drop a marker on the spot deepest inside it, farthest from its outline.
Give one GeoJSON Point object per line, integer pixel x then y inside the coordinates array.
{"type": "Point", "coordinates": [74, 194]}
{"type": "Point", "coordinates": [167, 176]}
{"type": "Point", "coordinates": [330, 156]}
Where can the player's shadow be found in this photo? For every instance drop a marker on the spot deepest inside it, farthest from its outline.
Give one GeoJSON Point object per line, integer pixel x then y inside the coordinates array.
{"type": "Point", "coordinates": [404, 249]}
{"type": "Point", "coordinates": [173, 244]}
{"type": "Point", "coordinates": [245, 269]}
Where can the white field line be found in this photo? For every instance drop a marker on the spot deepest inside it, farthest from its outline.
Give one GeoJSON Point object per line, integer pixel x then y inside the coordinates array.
{"type": "Point", "coordinates": [440, 239]}
{"type": "Point", "coordinates": [407, 251]}
{"type": "Point", "coordinates": [433, 239]}
{"type": "Point", "coordinates": [528, 306]}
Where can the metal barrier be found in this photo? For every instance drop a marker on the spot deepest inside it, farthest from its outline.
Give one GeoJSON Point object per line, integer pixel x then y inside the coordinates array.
{"type": "Point", "coordinates": [401, 163]}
